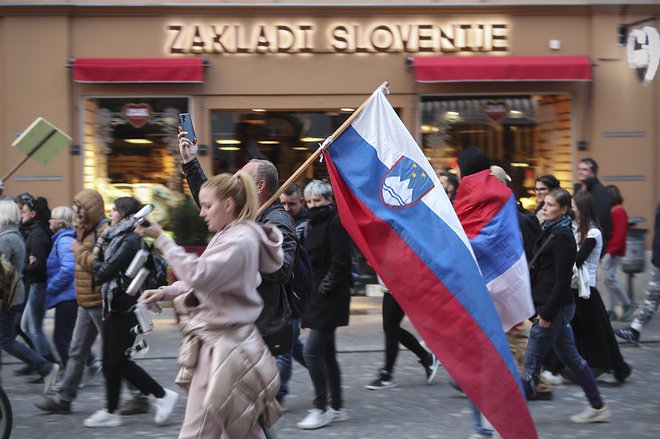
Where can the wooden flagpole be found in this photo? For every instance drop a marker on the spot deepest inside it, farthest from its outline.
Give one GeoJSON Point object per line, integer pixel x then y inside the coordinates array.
{"type": "Point", "coordinates": [322, 147]}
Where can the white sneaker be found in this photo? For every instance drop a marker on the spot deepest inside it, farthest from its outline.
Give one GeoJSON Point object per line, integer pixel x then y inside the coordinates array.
{"type": "Point", "coordinates": [316, 418]}
{"type": "Point", "coordinates": [555, 380]}
{"type": "Point", "coordinates": [590, 415]}
{"type": "Point", "coordinates": [49, 380]}
{"type": "Point", "coordinates": [164, 406]}
{"type": "Point", "coordinates": [340, 415]}
{"type": "Point", "coordinates": [103, 419]}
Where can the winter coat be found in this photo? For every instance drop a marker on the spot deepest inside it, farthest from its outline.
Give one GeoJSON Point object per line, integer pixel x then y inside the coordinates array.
{"type": "Point", "coordinates": [553, 270]}
{"type": "Point", "coordinates": [111, 267]}
{"type": "Point", "coordinates": [61, 267]}
{"type": "Point", "coordinates": [245, 379]}
{"type": "Point", "coordinates": [12, 247]}
{"type": "Point", "coordinates": [37, 244]}
{"type": "Point", "coordinates": [329, 248]}
{"type": "Point", "coordinates": [88, 292]}
{"type": "Point", "coordinates": [273, 285]}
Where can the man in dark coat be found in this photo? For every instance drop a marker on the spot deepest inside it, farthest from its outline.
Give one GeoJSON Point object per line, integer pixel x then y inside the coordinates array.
{"type": "Point", "coordinates": [588, 181]}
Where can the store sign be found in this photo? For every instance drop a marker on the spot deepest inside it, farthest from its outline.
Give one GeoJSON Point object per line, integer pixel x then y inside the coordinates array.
{"type": "Point", "coordinates": [644, 52]}
{"type": "Point", "coordinates": [496, 110]}
{"type": "Point", "coordinates": [223, 38]}
{"type": "Point", "coordinates": [137, 114]}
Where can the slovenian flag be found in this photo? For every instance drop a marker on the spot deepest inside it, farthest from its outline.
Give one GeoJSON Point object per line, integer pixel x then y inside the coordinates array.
{"type": "Point", "coordinates": [393, 206]}
{"type": "Point", "coordinates": [488, 212]}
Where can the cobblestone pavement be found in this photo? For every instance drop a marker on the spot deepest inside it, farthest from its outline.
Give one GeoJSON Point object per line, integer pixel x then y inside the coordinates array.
{"type": "Point", "coordinates": [411, 410]}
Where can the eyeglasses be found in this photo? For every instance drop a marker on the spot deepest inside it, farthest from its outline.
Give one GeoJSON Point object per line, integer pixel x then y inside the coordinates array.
{"type": "Point", "coordinates": [25, 198]}
{"type": "Point", "coordinates": [540, 189]}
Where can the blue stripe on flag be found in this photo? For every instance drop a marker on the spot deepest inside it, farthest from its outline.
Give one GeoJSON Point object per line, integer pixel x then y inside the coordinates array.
{"type": "Point", "coordinates": [427, 235]}
{"type": "Point", "coordinates": [496, 257]}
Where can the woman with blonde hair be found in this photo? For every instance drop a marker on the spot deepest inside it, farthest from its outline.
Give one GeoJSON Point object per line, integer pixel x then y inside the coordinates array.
{"type": "Point", "coordinates": [229, 373]}
{"type": "Point", "coordinates": [60, 289]}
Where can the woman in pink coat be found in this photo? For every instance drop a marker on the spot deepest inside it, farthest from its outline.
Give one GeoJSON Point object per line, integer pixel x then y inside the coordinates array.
{"type": "Point", "coordinates": [230, 375]}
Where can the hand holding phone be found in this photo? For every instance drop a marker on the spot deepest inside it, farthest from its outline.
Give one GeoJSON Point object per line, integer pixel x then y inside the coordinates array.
{"type": "Point", "coordinates": [186, 125]}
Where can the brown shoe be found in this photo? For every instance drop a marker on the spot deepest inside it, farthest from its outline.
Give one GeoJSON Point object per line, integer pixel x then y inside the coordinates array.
{"type": "Point", "coordinates": [51, 406]}
{"type": "Point", "coordinates": [134, 407]}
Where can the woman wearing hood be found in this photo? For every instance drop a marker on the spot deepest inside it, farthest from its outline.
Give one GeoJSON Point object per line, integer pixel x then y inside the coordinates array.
{"type": "Point", "coordinates": [228, 371]}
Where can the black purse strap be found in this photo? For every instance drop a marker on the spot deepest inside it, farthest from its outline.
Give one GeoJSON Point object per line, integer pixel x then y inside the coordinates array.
{"type": "Point", "coordinates": [543, 246]}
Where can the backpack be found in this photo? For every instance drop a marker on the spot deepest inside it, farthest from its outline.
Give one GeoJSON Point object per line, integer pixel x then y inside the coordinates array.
{"type": "Point", "coordinates": [302, 281]}
{"type": "Point", "coordinates": [9, 283]}
{"type": "Point", "coordinates": [157, 267]}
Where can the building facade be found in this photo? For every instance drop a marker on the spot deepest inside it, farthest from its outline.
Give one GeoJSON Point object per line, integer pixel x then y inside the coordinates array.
{"type": "Point", "coordinates": [537, 86]}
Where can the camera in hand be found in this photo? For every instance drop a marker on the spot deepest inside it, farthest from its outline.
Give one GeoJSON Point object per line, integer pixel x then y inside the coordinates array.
{"type": "Point", "coordinates": [141, 215]}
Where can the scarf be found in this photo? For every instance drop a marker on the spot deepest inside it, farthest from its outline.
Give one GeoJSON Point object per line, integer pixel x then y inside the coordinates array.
{"type": "Point", "coordinates": [564, 222]}
{"type": "Point", "coordinates": [110, 242]}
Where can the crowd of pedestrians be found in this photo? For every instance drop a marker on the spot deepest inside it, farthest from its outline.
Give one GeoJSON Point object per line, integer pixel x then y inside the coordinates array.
{"type": "Point", "coordinates": [240, 317]}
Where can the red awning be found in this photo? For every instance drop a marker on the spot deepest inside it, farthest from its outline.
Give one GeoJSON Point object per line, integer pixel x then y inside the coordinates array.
{"type": "Point", "coordinates": [138, 70]}
{"type": "Point", "coordinates": [501, 68]}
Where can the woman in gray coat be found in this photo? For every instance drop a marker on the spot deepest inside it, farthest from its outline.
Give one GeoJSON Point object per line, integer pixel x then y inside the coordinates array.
{"type": "Point", "coordinates": [12, 248]}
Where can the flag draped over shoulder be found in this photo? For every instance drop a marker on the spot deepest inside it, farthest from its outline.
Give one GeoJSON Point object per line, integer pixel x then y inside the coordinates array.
{"type": "Point", "coordinates": [393, 206]}
{"type": "Point", "coordinates": [489, 215]}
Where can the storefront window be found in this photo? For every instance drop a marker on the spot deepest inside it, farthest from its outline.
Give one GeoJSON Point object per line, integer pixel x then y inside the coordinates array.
{"type": "Point", "coordinates": [286, 139]}
{"type": "Point", "coordinates": [526, 135]}
{"type": "Point", "coordinates": [131, 149]}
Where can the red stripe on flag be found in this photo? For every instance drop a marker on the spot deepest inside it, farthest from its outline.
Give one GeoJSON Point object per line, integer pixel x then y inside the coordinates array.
{"type": "Point", "coordinates": [444, 324]}
{"type": "Point", "coordinates": [478, 199]}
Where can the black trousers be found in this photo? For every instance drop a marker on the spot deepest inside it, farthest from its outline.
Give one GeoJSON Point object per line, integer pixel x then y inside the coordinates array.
{"type": "Point", "coordinates": [395, 334]}
{"type": "Point", "coordinates": [117, 337]}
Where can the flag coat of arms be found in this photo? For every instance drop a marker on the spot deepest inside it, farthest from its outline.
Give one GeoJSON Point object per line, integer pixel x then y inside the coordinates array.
{"type": "Point", "coordinates": [392, 204]}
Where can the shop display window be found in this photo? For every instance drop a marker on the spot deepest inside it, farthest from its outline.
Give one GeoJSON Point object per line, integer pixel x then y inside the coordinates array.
{"type": "Point", "coordinates": [131, 149]}
{"type": "Point", "coordinates": [285, 138]}
{"type": "Point", "coordinates": [528, 136]}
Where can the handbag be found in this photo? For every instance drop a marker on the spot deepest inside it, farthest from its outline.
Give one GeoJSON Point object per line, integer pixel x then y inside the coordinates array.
{"type": "Point", "coordinates": [580, 281]}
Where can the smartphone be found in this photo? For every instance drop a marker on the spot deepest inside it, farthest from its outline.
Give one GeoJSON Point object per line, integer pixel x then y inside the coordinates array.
{"type": "Point", "coordinates": [186, 124]}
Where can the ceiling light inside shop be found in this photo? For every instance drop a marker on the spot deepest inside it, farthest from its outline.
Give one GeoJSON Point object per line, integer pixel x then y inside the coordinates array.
{"type": "Point", "coordinates": [268, 142]}
{"type": "Point", "coordinates": [519, 165]}
{"type": "Point", "coordinates": [139, 141]}
{"type": "Point", "coordinates": [515, 113]}
{"type": "Point", "coordinates": [300, 148]}
{"type": "Point", "coordinates": [229, 148]}
{"type": "Point", "coordinates": [347, 109]}
{"type": "Point", "coordinates": [259, 110]}
{"type": "Point", "coordinates": [312, 139]}
{"type": "Point", "coordinates": [228, 142]}
{"type": "Point", "coordinates": [428, 129]}
{"type": "Point", "coordinates": [452, 115]}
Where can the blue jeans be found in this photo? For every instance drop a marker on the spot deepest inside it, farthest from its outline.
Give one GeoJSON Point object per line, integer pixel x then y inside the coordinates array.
{"type": "Point", "coordinates": [285, 361]}
{"type": "Point", "coordinates": [558, 337]}
{"type": "Point", "coordinates": [32, 322]}
{"type": "Point", "coordinates": [9, 344]}
{"type": "Point", "coordinates": [321, 360]}
{"type": "Point", "coordinates": [477, 422]}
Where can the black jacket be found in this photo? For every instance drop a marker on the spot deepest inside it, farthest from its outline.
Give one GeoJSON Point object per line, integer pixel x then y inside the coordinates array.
{"type": "Point", "coordinates": [37, 244]}
{"type": "Point", "coordinates": [329, 248]}
{"type": "Point", "coordinates": [552, 272]}
{"type": "Point", "coordinates": [655, 259]}
{"type": "Point", "coordinates": [273, 285]}
{"type": "Point", "coordinates": [603, 204]}
{"type": "Point", "coordinates": [114, 267]}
